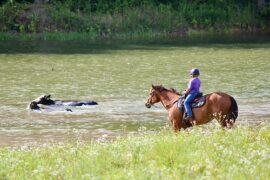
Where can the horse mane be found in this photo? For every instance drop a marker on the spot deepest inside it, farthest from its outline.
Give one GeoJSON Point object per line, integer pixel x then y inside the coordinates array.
{"type": "Point", "coordinates": [175, 91]}
{"type": "Point", "coordinates": [161, 88]}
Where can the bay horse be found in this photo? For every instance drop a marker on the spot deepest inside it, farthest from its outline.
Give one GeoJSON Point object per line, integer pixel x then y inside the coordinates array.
{"type": "Point", "coordinates": [218, 105]}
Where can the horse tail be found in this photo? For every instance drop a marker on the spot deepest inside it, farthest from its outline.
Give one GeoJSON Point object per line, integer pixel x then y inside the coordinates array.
{"type": "Point", "coordinates": [233, 114]}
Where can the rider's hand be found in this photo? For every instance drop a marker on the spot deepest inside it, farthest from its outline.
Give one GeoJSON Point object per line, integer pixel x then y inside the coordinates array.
{"type": "Point", "coordinates": [184, 92]}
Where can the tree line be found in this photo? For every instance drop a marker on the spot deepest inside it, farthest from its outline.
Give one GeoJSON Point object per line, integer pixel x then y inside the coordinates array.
{"type": "Point", "coordinates": [109, 17]}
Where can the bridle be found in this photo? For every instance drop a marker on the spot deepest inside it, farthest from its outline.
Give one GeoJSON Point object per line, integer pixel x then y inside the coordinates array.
{"type": "Point", "coordinates": [149, 102]}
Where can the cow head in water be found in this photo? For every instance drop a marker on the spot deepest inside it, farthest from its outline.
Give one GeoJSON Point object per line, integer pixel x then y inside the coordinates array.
{"type": "Point", "coordinates": [44, 100]}
{"type": "Point", "coordinates": [33, 105]}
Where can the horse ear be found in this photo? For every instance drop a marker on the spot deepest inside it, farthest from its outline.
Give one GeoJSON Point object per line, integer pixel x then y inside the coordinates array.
{"type": "Point", "coordinates": [153, 86]}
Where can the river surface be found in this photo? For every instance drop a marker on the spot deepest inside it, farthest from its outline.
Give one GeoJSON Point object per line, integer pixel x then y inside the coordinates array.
{"type": "Point", "coordinates": [118, 75]}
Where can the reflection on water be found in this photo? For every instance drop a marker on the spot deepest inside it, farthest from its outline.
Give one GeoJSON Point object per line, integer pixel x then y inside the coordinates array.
{"type": "Point", "coordinates": [118, 77]}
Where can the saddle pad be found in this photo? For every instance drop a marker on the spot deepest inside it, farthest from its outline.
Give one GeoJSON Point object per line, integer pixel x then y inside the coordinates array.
{"type": "Point", "coordinates": [196, 103]}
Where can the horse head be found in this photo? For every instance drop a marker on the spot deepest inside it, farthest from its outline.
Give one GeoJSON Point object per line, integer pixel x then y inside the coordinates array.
{"type": "Point", "coordinates": [153, 96]}
{"type": "Point", "coordinates": [160, 93]}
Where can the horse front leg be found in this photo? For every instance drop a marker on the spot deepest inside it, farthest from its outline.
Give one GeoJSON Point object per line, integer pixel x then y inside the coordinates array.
{"type": "Point", "coordinates": [176, 120]}
{"type": "Point", "coordinates": [176, 125]}
{"type": "Point", "coordinates": [176, 128]}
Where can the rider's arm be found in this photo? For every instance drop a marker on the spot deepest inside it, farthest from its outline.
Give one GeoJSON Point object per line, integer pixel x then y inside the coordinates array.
{"type": "Point", "coordinates": [187, 90]}
{"type": "Point", "coordinates": [189, 86]}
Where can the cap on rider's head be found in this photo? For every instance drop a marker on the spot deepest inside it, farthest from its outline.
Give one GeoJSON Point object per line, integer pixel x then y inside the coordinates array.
{"type": "Point", "coordinates": [195, 71]}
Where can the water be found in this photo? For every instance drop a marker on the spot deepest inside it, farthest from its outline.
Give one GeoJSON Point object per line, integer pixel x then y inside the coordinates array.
{"type": "Point", "coordinates": [118, 75]}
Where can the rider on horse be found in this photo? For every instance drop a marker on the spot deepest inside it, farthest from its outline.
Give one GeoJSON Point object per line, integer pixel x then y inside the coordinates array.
{"type": "Point", "coordinates": [191, 92]}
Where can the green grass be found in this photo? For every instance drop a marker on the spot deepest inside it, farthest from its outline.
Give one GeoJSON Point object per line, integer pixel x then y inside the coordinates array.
{"type": "Point", "coordinates": [240, 153]}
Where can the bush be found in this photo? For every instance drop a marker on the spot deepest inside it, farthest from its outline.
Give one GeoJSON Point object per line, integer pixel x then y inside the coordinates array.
{"type": "Point", "coordinates": [107, 18]}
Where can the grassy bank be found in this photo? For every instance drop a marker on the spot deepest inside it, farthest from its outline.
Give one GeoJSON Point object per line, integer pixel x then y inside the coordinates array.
{"type": "Point", "coordinates": [67, 36]}
{"type": "Point", "coordinates": [134, 18]}
{"type": "Point", "coordinates": [241, 153]}
{"type": "Point", "coordinates": [82, 36]}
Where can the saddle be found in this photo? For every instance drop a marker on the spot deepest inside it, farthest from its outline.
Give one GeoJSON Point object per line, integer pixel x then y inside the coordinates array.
{"type": "Point", "coordinates": [198, 101]}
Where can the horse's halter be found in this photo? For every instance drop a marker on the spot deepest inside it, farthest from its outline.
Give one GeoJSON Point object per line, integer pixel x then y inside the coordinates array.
{"type": "Point", "coordinates": [151, 100]}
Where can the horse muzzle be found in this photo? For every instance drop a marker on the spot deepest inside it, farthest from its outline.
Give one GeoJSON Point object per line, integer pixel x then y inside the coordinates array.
{"type": "Point", "coordinates": [148, 105]}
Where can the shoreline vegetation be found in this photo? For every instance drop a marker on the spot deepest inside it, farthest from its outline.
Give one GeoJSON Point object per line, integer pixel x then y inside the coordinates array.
{"type": "Point", "coordinates": [71, 20]}
{"type": "Point", "coordinates": [79, 36]}
{"type": "Point", "coordinates": [200, 152]}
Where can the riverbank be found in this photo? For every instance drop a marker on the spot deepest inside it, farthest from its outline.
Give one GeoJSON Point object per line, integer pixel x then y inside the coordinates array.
{"type": "Point", "coordinates": [242, 152]}
{"type": "Point", "coordinates": [76, 36]}
{"type": "Point", "coordinates": [78, 20]}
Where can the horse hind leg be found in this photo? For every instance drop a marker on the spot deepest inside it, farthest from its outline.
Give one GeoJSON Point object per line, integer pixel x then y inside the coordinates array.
{"type": "Point", "coordinates": [229, 123]}
{"type": "Point", "coordinates": [233, 113]}
{"type": "Point", "coordinates": [224, 121]}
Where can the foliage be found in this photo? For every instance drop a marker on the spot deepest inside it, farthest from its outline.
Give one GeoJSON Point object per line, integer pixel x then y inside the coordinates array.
{"type": "Point", "coordinates": [107, 18]}
{"type": "Point", "coordinates": [199, 153]}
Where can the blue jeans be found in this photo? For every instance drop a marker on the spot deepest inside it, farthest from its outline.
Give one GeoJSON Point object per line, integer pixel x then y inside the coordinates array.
{"type": "Point", "coordinates": [187, 102]}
